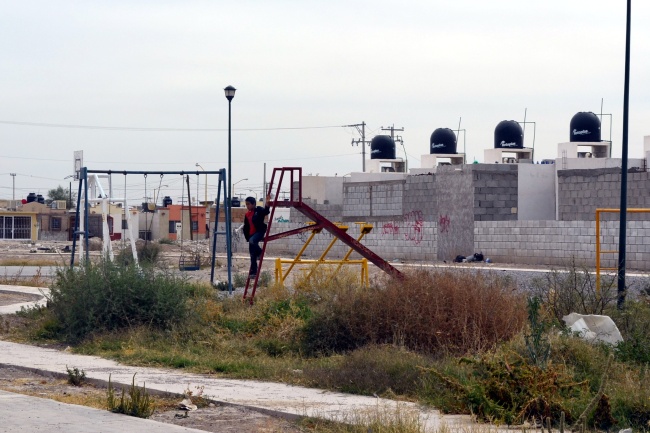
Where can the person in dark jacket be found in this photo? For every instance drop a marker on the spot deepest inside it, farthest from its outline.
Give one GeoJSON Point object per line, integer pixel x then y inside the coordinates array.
{"type": "Point", "coordinates": [254, 230]}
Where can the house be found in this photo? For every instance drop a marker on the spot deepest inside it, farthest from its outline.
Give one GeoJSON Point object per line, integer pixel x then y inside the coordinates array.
{"type": "Point", "coordinates": [18, 225]}
{"type": "Point", "coordinates": [52, 223]}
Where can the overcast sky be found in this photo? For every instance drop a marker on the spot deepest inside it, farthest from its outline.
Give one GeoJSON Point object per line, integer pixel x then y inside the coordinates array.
{"type": "Point", "coordinates": [417, 65]}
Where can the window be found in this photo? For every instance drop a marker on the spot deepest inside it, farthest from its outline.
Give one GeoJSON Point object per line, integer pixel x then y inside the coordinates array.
{"type": "Point", "coordinates": [172, 226]}
{"type": "Point", "coordinates": [55, 224]}
{"type": "Point", "coordinates": [125, 224]}
{"type": "Point", "coordinates": [195, 226]}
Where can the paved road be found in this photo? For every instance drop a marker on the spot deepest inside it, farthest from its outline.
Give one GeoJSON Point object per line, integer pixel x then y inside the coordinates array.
{"type": "Point", "coordinates": [24, 414]}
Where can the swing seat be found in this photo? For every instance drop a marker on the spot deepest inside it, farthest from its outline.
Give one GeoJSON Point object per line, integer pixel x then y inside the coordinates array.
{"type": "Point", "coordinates": [189, 262]}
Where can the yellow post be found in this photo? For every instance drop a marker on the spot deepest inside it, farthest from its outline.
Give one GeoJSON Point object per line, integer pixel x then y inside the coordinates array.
{"type": "Point", "coordinates": [278, 271]}
{"type": "Point", "coordinates": [327, 250]}
{"type": "Point", "coordinates": [364, 229]}
{"type": "Point", "coordinates": [302, 250]}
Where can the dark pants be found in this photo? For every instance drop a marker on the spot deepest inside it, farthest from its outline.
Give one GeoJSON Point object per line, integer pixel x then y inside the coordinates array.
{"type": "Point", "coordinates": [254, 250]}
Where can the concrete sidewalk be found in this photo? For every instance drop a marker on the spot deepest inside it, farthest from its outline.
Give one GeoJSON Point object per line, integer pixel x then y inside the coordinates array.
{"type": "Point", "coordinates": [14, 308]}
{"type": "Point", "coordinates": [268, 397]}
{"type": "Point", "coordinates": [23, 414]}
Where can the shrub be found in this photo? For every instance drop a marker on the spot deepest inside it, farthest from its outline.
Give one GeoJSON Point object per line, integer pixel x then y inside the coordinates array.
{"type": "Point", "coordinates": [430, 312]}
{"type": "Point", "coordinates": [148, 254]}
{"type": "Point", "coordinates": [76, 377]}
{"type": "Point", "coordinates": [634, 324]}
{"type": "Point", "coordinates": [105, 296]}
{"type": "Point", "coordinates": [136, 403]}
{"type": "Point", "coordinates": [574, 291]}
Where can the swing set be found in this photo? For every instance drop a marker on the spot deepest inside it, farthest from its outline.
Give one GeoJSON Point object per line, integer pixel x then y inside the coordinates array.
{"type": "Point", "coordinates": [188, 261]}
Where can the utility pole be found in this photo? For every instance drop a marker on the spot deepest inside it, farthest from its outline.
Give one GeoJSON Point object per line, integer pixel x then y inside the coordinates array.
{"type": "Point", "coordinates": [362, 141]}
{"type": "Point", "coordinates": [13, 190]}
{"type": "Point", "coordinates": [392, 130]}
{"type": "Point", "coordinates": [398, 139]}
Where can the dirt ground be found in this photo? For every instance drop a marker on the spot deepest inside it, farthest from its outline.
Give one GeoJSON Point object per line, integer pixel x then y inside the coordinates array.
{"type": "Point", "coordinates": [211, 418]}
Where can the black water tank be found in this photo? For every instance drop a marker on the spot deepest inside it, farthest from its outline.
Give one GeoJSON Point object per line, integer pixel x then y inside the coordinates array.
{"type": "Point", "coordinates": [443, 140]}
{"type": "Point", "coordinates": [585, 127]}
{"type": "Point", "coordinates": [31, 197]}
{"type": "Point", "coordinates": [40, 199]}
{"type": "Point", "coordinates": [508, 135]}
{"type": "Point", "coordinates": [382, 147]}
{"type": "Point", "coordinates": [167, 200]}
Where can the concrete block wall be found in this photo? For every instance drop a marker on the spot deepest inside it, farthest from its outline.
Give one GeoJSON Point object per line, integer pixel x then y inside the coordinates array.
{"type": "Point", "coordinates": [420, 195]}
{"type": "Point", "coordinates": [455, 208]}
{"type": "Point", "coordinates": [580, 192]}
{"type": "Point", "coordinates": [356, 199]}
{"type": "Point", "coordinates": [331, 212]}
{"type": "Point", "coordinates": [495, 192]}
{"type": "Point", "coordinates": [559, 242]}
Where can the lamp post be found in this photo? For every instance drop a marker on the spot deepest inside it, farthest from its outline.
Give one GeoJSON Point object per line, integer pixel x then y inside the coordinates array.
{"type": "Point", "coordinates": [205, 200]}
{"type": "Point", "coordinates": [230, 93]}
{"type": "Point", "coordinates": [233, 185]}
{"type": "Point", "coordinates": [13, 189]}
{"type": "Point", "coordinates": [69, 204]}
{"type": "Point", "coordinates": [623, 207]}
{"type": "Point", "coordinates": [156, 196]}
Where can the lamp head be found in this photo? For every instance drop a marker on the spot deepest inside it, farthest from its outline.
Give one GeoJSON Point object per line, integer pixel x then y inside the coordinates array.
{"type": "Point", "coordinates": [230, 92]}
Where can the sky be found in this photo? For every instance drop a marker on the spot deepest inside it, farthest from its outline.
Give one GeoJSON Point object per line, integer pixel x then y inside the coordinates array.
{"type": "Point", "coordinates": [138, 84]}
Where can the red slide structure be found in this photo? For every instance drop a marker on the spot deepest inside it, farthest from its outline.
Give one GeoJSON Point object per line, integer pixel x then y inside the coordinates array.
{"type": "Point", "coordinates": [294, 175]}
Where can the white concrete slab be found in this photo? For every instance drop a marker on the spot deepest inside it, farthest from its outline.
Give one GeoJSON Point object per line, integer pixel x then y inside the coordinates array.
{"type": "Point", "coordinates": [277, 398]}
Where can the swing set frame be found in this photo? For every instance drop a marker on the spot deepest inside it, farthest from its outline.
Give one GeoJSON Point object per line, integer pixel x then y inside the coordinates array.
{"type": "Point", "coordinates": [83, 232]}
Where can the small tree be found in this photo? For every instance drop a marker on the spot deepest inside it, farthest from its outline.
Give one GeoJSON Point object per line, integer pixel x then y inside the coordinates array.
{"type": "Point", "coordinates": [60, 193]}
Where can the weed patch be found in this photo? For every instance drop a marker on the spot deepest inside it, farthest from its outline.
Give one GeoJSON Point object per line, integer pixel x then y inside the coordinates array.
{"type": "Point", "coordinates": [76, 377]}
{"type": "Point", "coordinates": [136, 403]}
{"type": "Point", "coordinates": [445, 311]}
{"type": "Point", "coordinates": [105, 297]}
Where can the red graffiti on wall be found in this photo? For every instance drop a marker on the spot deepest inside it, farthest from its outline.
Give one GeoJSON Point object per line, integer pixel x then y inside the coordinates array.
{"type": "Point", "coordinates": [391, 228]}
{"type": "Point", "coordinates": [444, 223]}
{"type": "Point", "coordinates": [410, 227]}
{"type": "Point", "coordinates": [413, 223]}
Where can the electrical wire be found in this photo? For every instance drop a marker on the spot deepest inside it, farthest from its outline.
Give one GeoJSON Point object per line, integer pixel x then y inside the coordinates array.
{"type": "Point", "coordinates": [156, 129]}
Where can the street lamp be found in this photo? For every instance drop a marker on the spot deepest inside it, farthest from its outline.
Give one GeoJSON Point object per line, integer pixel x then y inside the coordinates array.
{"type": "Point", "coordinates": [13, 190]}
{"type": "Point", "coordinates": [230, 93]}
{"type": "Point", "coordinates": [155, 197]}
{"type": "Point", "coordinates": [69, 204]}
{"type": "Point", "coordinates": [233, 185]}
{"type": "Point", "coordinates": [205, 200]}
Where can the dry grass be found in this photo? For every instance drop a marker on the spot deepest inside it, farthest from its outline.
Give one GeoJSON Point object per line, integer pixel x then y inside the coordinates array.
{"type": "Point", "coordinates": [17, 279]}
{"type": "Point", "coordinates": [429, 312]}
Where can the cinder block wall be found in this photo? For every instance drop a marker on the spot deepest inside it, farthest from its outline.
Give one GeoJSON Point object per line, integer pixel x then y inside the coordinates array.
{"type": "Point", "coordinates": [455, 206]}
{"type": "Point", "coordinates": [558, 242]}
{"type": "Point", "coordinates": [580, 192]}
{"type": "Point", "coordinates": [495, 192]}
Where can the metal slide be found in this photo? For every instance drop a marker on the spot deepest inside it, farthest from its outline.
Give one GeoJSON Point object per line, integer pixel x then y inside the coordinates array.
{"type": "Point", "coordinates": [295, 201]}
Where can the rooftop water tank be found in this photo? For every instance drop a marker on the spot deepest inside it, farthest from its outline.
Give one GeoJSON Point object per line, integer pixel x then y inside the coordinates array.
{"type": "Point", "coordinates": [40, 199]}
{"type": "Point", "coordinates": [382, 147]}
{"type": "Point", "coordinates": [443, 140]}
{"type": "Point", "coordinates": [31, 197]}
{"type": "Point", "coordinates": [508, 135]}
{"type": "Point", "coordinates": [167, 200]}
{"type": "Point", "coordinates": [585, 127]}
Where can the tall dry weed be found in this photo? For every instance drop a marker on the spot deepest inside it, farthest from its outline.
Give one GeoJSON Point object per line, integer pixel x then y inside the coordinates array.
{"type": "Point", "coordinates": [440, 311]}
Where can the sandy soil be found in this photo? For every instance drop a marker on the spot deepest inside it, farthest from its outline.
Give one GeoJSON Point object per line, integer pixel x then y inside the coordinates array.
{"type": "Point", "coordinates": [212, 418]}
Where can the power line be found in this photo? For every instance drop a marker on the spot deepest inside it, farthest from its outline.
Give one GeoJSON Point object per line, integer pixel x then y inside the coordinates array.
{"type": "Point", "coordinates": [156, 129]}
